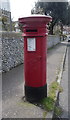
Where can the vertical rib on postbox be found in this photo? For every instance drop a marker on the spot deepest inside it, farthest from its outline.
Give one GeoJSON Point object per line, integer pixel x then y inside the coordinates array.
{"type": "Point", "coordinates": [35, 56]}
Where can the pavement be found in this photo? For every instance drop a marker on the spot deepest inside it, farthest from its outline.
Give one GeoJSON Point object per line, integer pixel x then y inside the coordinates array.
{"type": "Point", "coordinates": [63, 97]}
{"type": "Point", "coordinates": [13, 105]}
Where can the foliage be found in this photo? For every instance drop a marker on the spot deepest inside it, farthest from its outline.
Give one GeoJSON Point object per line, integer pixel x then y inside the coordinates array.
{"type": "Point", "coordinates": [48, 103]}
{"type": "Point", "coordinates": [58, 111]}
{"type": "Point", "coordinates": [5, 23]}
{"type": "Point", "coordinates": [13, 26]}
{"type": "Point", "coordinates": [58, 11]}
{"type": "Point", "coordinates": [20, 26]}
{"type": "Point", "coordinates": [68, 20]}
{"type": "Point", "coordinates": [52, 90]}
{"type": "Point", "coordinates": [4, 20]}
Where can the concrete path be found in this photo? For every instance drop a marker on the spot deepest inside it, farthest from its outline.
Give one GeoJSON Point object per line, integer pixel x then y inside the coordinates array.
{"type": "Point", "coordinates": [12, 89]}
{"type": "Point", "coordinates": [63, 97]}
{"type": "Point", "coordinates": [55, 57]}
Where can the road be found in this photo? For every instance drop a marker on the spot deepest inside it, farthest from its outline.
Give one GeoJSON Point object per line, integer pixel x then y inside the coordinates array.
{"type": "Point", "coordinates": [69, 79]}
{"type": "Point", "coordinates": [0, 55]}
{"type": "Point", "coordinates": [0, 78]}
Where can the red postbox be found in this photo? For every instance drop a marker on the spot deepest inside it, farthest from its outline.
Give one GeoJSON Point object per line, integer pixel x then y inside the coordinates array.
{"type": "Point", "coordinates": [35, 56]}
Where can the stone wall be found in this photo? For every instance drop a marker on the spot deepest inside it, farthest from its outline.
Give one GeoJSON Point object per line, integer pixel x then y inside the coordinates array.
{"type": "Point", "coordinates": [12, 49]}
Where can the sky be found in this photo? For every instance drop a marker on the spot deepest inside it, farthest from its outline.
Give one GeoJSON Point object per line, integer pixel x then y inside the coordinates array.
{"type": "Point", "coordinates": [21, 8]}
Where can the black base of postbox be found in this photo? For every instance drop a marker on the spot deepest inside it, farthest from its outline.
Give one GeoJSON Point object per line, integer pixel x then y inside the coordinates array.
{"type": "Point", "coordinates": [35, 94]}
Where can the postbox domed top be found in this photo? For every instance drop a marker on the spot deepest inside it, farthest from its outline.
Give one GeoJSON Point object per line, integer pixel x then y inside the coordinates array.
{"type": "Point", "coordinates": [35, 19]}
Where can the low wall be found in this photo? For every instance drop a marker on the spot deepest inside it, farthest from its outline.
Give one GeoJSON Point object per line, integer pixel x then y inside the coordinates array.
{"type": "Point", "coordinates": [12, 49]}
{"type": "Point", "coordinates": [53, 40]}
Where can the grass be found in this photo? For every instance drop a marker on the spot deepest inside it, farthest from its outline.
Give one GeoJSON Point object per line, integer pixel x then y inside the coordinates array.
{"type": "Point", "coordinates": [44, 114]}
{"type": "Point", "coordinates": [52, 90]}
{"type": "Point", "coordinates": [48, 103]}
{"type": "Point", "coordinates": [54, 85]}
{"type": "Point", "coordinates": [58, 111]}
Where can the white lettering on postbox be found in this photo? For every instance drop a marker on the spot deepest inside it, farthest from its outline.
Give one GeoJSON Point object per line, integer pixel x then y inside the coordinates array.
{"type": "Point", "coordinates": [31, 44]}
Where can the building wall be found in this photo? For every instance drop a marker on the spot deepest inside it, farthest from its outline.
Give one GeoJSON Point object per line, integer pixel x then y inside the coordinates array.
{"type": "Point", "coordinates": [5, 14]}
{"type": "Point", "coordinates": [12, 49]}
{"type": "Point", "coordinates": [6, 17]}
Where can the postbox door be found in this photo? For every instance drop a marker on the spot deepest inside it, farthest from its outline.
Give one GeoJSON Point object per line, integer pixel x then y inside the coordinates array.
{"type": "Point", "coordinates": [35, 61]}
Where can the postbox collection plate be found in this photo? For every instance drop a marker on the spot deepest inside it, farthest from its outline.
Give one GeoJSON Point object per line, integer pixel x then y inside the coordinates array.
{"type": "Point", "coordinates": [31, 44]}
